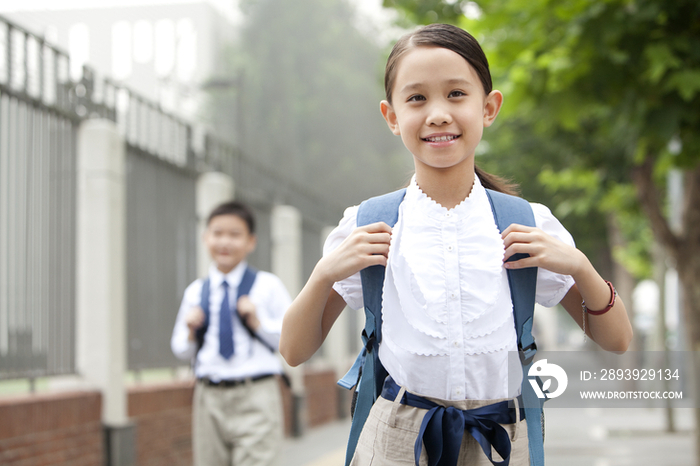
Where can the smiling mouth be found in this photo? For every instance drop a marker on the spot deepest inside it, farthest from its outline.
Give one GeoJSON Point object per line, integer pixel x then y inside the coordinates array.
{"type": "Point", "coordinates": [441, 138]}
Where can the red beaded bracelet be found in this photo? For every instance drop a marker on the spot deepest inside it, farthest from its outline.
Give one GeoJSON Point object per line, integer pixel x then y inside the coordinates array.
{"type": "Point", "coordinates": [613, 296]}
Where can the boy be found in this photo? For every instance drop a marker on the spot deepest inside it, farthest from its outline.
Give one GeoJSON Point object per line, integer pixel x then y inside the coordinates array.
{"type": "Point", "coordinates": [237, 410]}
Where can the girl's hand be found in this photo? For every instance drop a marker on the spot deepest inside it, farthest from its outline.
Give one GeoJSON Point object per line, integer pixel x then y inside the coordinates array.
{"type": "Point", "coordinates": [545, 251]}
{"type": "Point", "coordinates": [317, 306]}
{"type": "Point", "coordinates": [612, 331]}
{"type": "Point", "coordinates": [366, 246]}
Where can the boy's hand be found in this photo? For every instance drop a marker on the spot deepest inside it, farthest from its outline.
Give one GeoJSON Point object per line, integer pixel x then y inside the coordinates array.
{"type": "Point", "coordinates": [246, 310]}
{"type": "Point", "coordinates": [194, 319]}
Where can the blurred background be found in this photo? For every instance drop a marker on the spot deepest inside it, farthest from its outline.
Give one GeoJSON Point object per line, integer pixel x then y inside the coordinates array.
{"type": "Point", "coordinates": [122, 123]}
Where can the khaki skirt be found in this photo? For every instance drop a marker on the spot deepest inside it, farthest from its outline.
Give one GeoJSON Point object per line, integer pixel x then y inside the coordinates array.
{"type": "Point", "coordinates": [391, 429]}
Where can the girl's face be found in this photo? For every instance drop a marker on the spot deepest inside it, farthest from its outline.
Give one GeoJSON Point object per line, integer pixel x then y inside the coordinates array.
{"type": "Point", "coordinates": [439, 108]}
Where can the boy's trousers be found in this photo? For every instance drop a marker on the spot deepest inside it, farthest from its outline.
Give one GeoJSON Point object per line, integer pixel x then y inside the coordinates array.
{"type": "Point", "coordinates": [237, 426]}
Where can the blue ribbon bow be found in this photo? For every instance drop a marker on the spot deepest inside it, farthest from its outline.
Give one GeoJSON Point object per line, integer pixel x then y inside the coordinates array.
{"type": "Point", "coordinates": [443, 427]}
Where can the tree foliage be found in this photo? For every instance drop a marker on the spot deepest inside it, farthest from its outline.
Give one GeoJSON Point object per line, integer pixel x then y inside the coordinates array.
{"type": "Point", "coordinates": [428, 11]}
{"type": "Point", "coordinates": [628, 70]}
{"type": "Point", "coordinates": [618, 77]}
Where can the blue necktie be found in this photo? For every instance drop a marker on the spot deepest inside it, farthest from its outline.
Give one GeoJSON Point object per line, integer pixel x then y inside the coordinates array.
{"type": "Point", "coordinates": [225, 326]}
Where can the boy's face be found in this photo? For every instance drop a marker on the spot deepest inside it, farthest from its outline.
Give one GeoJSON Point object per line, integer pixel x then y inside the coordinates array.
{"type": "Point", "coordinates": [229, 241]}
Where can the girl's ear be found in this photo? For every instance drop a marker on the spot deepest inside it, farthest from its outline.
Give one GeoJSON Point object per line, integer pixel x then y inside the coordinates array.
{"type": "Point", "coordinates": [492, 105]}
{"type": "Point", "coordinates": [390, 117]}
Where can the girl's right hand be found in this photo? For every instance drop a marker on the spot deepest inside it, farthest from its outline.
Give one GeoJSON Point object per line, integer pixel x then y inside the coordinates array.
{"type": "Point", "coordinates": [317, 306]}
{"type": "Point", "coordinates": [366, 246]}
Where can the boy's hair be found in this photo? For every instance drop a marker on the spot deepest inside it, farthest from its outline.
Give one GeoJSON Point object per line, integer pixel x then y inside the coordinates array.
{"type": "Point", "coordinates": [464, 44]}
{"type": "Point", "coordinates": [444, 36]}
{"type": "Point", "coordinates": [235, 208]}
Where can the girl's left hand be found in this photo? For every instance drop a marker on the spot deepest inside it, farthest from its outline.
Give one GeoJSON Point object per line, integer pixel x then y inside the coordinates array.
{"type": "Point", "coordinates": [545, 251]}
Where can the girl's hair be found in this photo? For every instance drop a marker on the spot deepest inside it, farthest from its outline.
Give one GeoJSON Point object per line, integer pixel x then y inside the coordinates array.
{"type": "Point", "coordinates": [464, 44]}
{"type": "Point", "coordinates": [447, 37]}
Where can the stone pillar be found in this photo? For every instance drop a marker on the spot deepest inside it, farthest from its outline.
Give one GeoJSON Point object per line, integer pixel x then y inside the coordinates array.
{"type": "Point", "coordinates": [286, 246]}
{"type": "Point", "coordinates": [101, 353]}
{"type": "Point", "coordinates": [286, 226]}
{"type": "Point", "coordinates": [213, 188]}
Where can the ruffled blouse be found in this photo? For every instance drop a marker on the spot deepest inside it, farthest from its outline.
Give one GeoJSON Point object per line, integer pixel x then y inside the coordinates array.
{"type": "Point", "coordinates": [447, 312]}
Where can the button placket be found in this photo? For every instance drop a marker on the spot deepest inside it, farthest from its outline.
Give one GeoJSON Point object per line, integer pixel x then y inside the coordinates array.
{"type": "Point", "coordinates": [453, 305]}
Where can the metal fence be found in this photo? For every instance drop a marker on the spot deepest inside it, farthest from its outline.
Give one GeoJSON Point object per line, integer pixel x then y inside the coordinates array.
{"type": "Point", "coordinates": [40, 112]}
{"type": "Point", "coordinates": [37, 207]}
{"type": "Point", "coordinates": [161, 257]}
{"type": "Point", "coordinates": [161, 222]}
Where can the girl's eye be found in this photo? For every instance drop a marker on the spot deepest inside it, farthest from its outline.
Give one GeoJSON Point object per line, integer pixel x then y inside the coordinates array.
{"type": "Point", "coordinates": [456, 94]}
{"type": "Point", "coordinates": [416, 98]}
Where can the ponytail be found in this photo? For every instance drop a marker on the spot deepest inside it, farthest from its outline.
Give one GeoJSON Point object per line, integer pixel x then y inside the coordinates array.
{"type": "Point", "coordinates": [496, 183]}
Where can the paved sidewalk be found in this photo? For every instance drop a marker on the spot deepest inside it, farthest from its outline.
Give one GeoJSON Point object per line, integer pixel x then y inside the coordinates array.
{"type": "Point", "coordinates": [574, 437]}
{"type": "Point", "coordinates": [618, 437]}
{"type": "Point", "coordinates": [321, 446]}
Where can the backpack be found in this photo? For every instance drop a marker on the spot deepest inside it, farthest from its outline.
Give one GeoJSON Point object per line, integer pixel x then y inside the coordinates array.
{"type": "Point", "coordinates": [367, 373]}
{"type": "Point", "coordinates": [243, 289]}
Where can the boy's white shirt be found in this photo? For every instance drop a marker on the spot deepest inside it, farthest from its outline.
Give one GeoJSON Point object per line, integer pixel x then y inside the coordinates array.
{"type": "Point", "coordinates": [447, 312]}
{"type": "Point", "coordinates": [250, 358]}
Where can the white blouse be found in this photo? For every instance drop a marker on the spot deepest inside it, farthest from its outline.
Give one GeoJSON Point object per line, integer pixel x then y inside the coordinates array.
{"type": "Point", "coordinates": [447, 312]}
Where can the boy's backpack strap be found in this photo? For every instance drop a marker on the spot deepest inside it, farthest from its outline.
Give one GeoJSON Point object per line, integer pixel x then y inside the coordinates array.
{"type": "Point", "coordinates": [244, 287]}
{"type": "Point", "coordinates": [247, 281]}
{"type": "Point", "coordinates": [523, 282]}
{"type": "Point", "coordinates": [368, 368]}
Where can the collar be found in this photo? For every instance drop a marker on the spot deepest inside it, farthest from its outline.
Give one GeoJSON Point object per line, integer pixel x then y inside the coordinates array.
{"type": "Point", "coordinates": [216, 277]}
{"type": "Point", "coordinates": [428, 206]}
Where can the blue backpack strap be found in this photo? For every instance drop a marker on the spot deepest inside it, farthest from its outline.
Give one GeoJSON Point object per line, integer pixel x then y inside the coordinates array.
{"type": "Point", "coordinates": [523, 282]}
{"type": "Point", "coordinates": [244, 287]}
{"type": "Point", "coordinates": [367, 367]}
{"type": "Point", "coordinates": [247, 281]}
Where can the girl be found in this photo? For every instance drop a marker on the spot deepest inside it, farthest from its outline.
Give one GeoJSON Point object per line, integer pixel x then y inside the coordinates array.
{"type": "Point", "coordinates": [447, 312]}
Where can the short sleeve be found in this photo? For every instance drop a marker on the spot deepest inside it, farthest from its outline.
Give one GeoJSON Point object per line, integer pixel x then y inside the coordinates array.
{"type": "Point", "coordinates": [180, 343]}
{"type": "Point", "coordinates": [350, 289]}
{"type": "Point", "coordinates": [551, 287]}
